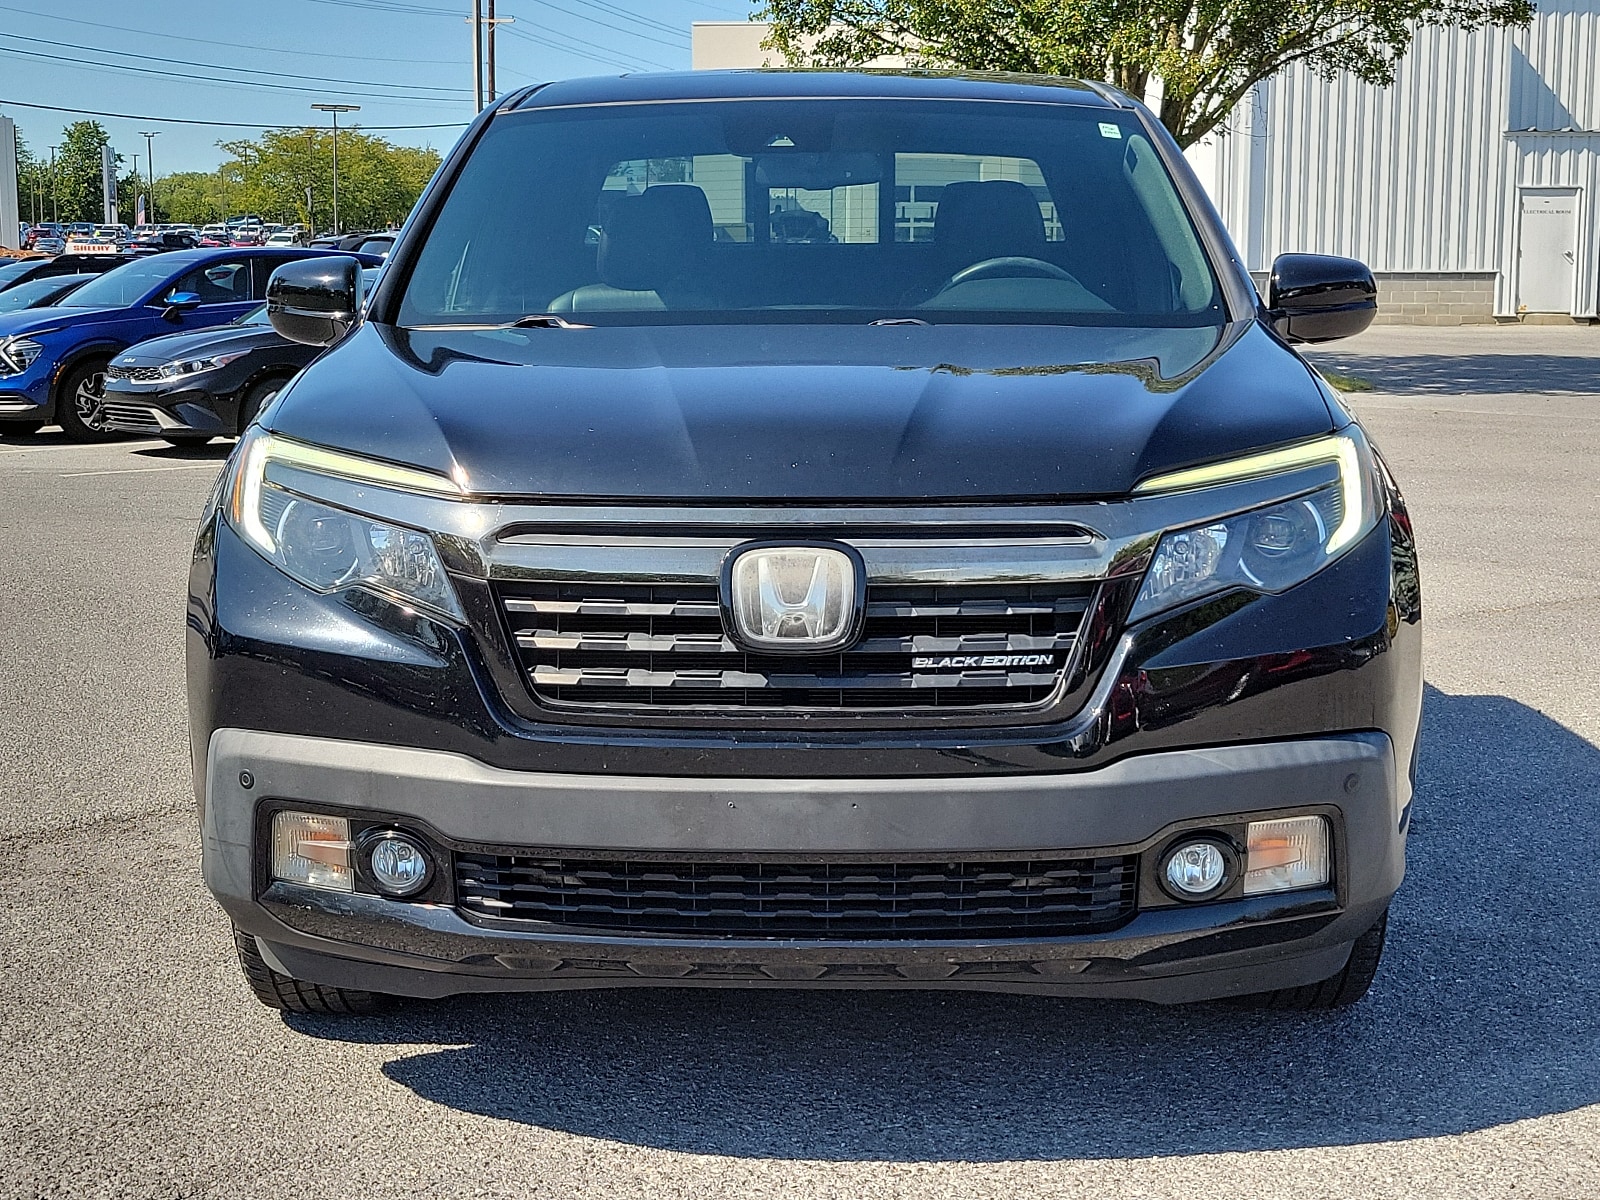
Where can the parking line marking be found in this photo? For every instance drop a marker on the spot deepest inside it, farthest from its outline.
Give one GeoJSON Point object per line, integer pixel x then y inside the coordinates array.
{"type": "Point", "coordinates": [217, 466]}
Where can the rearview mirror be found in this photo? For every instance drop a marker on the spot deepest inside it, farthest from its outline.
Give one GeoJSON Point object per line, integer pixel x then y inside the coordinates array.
{"type": "Point", "coordinates": [1318, 297]}
{"type": "Point", "coordinates": [315, 301]}
{"type": "Point", "coordinates": [817, 172]}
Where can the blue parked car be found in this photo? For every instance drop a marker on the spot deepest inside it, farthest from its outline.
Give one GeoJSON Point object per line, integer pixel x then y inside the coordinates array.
{"type": "Point", "coordinates": [53, 360]}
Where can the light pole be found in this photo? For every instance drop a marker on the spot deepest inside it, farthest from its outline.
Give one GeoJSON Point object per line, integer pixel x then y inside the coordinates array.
{"type": "Point", "coordinates": [55, 202]}
{"type": "Point", "coordinates": [150, 170]}
{"type": "Point", "coordinates": [336, 109]}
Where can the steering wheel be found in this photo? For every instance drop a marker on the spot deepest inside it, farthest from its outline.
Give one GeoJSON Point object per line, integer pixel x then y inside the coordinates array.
{"type": "Point", "coordinates": [1008, 267]}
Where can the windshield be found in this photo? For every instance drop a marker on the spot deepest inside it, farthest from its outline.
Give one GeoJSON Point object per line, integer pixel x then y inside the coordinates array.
{"type": "Point", "coordinates": [122, 286]}
{"type": "Point", "coordinates": [25, 295]}
{"type": "Point", "coordinates": [16, 270]}
{"type": "Point", "coordinates": [256, 316]}
{"type": "Point", "coordinates": [814, 211]}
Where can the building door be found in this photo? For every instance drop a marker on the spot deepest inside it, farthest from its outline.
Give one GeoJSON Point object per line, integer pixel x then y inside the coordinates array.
{"type": "Point", "coordinates": [1547, 250]}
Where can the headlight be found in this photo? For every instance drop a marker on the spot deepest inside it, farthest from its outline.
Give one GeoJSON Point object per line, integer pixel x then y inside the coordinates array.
{"type": "Point", "coordinates": [18, 354]}
{"type": "Point", "coordinates": [327, 548]}
{"type": "Point", "coordinates": [193, 366]}
{"type": "Point", "coordinates": [1269, 549]}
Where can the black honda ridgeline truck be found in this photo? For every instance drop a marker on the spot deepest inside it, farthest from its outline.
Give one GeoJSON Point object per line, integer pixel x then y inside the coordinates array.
{"type": "Point", "coordinates": [808, 529]}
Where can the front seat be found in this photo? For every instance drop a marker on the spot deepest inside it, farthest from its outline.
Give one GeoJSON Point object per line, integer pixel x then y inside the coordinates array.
{"type": "Point", "coordinates": [651, 256]}
{"type": "Point", "coordinates": [978, 220]}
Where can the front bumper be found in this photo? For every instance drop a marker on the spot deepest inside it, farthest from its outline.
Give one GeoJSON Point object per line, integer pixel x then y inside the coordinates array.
{"type": "Point", "coordinates": [1166, 953]}
{"type": "Point", "coordinates": [154, 412]}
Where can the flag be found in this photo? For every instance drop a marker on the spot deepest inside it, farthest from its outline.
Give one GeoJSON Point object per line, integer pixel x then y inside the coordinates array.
{"type": "Point", "coordinates": [139, 212]}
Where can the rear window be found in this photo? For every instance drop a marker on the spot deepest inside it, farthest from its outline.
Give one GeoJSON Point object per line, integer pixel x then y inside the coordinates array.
{"type": "Point", "coordinates": [814, 211]}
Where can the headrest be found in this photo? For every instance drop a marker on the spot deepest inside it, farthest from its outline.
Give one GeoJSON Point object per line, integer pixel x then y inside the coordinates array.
{"type": "Point", "coordinates": [655, 237]}
{"type": "Point", "coordinates": [994, 218]}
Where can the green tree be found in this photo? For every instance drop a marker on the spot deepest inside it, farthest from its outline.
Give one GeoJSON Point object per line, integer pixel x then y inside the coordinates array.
{"type": "Point", "coordinates": [1207, 54]}
{"type": "Point", "coordinates": [378, 181]}
{"type": "Point", "coordinates": [192, 197]}
{"type": "Point", "coordinates": [78, 171]}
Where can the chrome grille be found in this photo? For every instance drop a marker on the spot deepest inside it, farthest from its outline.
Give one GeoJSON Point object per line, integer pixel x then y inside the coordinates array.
{"type": "Point", "coordinates": [995, 898]}
{"type": "Point", "coordinates": [141, 374]}
{"type": "Point", "coordinates": [664, 646]}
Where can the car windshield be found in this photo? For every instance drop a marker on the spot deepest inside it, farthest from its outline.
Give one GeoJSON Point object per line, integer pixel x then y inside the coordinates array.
{"type": "Point", "coordinates": [123, 286]}
{"type": "Point", "coordinates": [16, 270]}
{"type": "Point", "coordinates": [25, 295]}
{"type": "Point", "coordinates": [256, 316]}
{"type": "Point", "coordinates": [804, 210]}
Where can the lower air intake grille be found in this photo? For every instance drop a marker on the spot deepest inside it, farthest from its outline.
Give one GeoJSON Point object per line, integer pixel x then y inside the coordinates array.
{"type": "Point", "coordinates": [924, 900]}
{"type": "Point", "coordinates": [663, 647]}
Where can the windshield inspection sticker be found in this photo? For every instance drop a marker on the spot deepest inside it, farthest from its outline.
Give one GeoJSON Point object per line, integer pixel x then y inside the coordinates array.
{"type": "Point", "coordinates": [1109, 130]}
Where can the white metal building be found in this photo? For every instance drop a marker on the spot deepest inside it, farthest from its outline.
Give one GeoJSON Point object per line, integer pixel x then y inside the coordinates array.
{"type": "Point", "coordinates": [1471, 186]}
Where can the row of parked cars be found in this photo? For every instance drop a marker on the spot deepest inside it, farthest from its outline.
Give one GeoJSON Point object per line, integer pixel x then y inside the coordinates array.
{"type": "Point", "coordinates": [84, 238]}
{"type": "Point", "coordinates": [172, 345]}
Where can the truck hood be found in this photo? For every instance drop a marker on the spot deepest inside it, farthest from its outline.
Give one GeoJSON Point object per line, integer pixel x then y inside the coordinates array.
{"type": "Point", "coordinates": [805, 412]}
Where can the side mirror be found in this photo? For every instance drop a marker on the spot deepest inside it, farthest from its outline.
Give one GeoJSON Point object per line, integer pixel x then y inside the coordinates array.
{"type": "Point", "coordinates": [315, 301]}
{"type": "Point", "coordinates": [1317, 297]}
{"type": "Point", "coordinates": [179, 303]}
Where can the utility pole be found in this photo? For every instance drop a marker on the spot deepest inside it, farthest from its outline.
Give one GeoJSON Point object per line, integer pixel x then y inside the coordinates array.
{"type": "Point", "coordinates": [55, 200]}
{"type": "Point", "coordinates": [150, 170]}
{"type": "Point", "coordinates": [136, 219]}
{"type": "Point", "coordinates": [477, 55]}
{"type": "Point", "coordinates": [336, 109]}
{"type": "Point", "coordinates": [483, 28]}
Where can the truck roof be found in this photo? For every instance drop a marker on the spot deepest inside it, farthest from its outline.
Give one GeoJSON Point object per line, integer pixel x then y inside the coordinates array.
{"type": "Point", "coordinates": [863, 84]}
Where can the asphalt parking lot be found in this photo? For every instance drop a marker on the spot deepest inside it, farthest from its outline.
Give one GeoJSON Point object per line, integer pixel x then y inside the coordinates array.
{"type": "Point", "coordinates": [137, 1064]}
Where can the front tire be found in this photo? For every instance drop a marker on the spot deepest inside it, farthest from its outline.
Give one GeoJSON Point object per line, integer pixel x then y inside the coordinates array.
{"type": "Point", "coordinates": [1338, 991]}
{"type": "Point", "coordinates": [80, 406]}
{"type": "Point", "coordinates": [257, 398]}
{"type": "Point", "coordinates": [279, 991]}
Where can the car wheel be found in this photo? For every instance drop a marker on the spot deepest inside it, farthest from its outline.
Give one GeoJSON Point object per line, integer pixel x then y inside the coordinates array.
{"type": "Point", "coordinates": [189, 440]}
{"type": "Point", "coordinates": [20, 428]}
{"type": "Point", "coordinates": [277, 990]}
{"type": "Point", "coordinates": [80, 403]}
{"type": "Point", "coordinates": [1339, 991]}
{"type": "Point", "coordinates": [258, 397]}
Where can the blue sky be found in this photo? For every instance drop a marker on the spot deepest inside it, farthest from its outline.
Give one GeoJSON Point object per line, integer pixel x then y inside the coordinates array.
{"type": "Point", "coordinates": [406, 62]}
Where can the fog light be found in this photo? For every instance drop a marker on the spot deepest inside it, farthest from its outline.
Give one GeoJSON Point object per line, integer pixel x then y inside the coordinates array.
{"type": "Point", "coordinates": [313, 850]}
{"type": "Point", "coordinates": [1285, 855]}
{"type": "Point", "coordinates": [1197, 869]}
{"type": "Point", "coordinates": [397, 864]}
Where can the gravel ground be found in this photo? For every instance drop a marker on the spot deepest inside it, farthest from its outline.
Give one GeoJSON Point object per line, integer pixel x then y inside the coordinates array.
{"type": "Point", "coordinates": [138, 1065]}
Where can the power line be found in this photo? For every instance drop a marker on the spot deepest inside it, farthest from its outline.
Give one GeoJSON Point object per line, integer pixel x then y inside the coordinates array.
{"type": "Point", "coordinates": [317, 79]}
{"type": "Point", "coordinates": [677, 31]}
{"type": "Point", "coordinates": [95, 112]}
{"type": "Point", "coordinates": [252, 85]}
{"type": "Point", "coordinates": [605, 55]}
{"type": "Point", "coordinates": [607, 25]}
{"type": "Point", "coordinates": [541, 39]}
{"type": "Point", "coordinates": [178, 37]}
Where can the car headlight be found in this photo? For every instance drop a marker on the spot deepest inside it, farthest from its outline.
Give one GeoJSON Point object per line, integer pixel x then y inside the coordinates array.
{"type": "Point", "coordinates": [327, 548]}
{"type": "Point", "coordinates": [18, 354]}
{"type": "Point", "coordinates": [193, 366]}
{"type": "Point", "coordinates": [1268, 549]}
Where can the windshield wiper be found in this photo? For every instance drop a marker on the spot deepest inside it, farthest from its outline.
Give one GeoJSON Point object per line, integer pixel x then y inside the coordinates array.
{"type": "Point", "coordinates": [545, 321]}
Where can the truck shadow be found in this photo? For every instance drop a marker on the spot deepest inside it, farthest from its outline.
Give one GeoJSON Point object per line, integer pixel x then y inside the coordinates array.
{"type": "Point", "coordinates": [1485, 1012]}
{"type": "Point", "coordinates": [1466, 374]}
